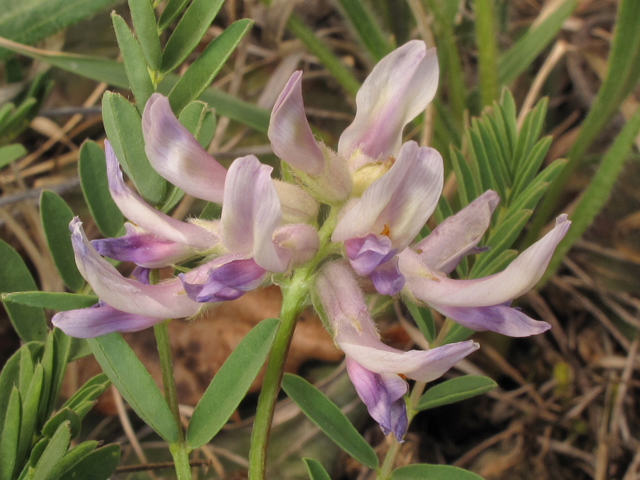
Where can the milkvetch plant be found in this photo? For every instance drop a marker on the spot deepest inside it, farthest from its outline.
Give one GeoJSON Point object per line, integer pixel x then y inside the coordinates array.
{"type": "Point", "coordinates": [379, 193]}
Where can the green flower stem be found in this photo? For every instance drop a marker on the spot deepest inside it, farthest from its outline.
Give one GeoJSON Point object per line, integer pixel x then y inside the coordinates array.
{"type": "Point", "coordinates": [293, 298]}
{"type": "Point", "coordinates": [179, 450]}
{"type": "Point", "coordinates": [180, 454]}
{"type": "Point", "coordinates": [295, 295]}
{"type": "Point", "coordinates": [166, 364]}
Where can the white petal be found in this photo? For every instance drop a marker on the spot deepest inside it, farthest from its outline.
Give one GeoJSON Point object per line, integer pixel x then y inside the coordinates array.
{"type": "Point", "coordinates": [398, 203]}
{"type": "Point", "coordinates": [289, 131]}
{"type": "Point", "coordinates": [148, 218]}
{"type": "Point", "coordinates": [165, 300]}
{"type": "Point", "coordinates": [251, 213]}
{"type": "Point", "coordinates": [400, 87]}
{"type": "Point", "coordinates": [177, 156]}
{"type": "Point", "coordinates": [524, 272]}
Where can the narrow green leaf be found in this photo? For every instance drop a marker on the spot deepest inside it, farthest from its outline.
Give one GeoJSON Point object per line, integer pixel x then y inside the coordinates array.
{"type": "Point", "coordinates": [455, 390]}
{"type": "Point", "coordinates": [329, 418]}
{"type": "Point", "coordinates": [489, 172]}
{"type": "Point", "coordinates": [530, 197]}
{"type": "Point", "coordinates": [64, 415]}
{"type": "Point", "coordinates": [61, 357]}
{"type": "Point", "coordinates": [190, 29]}
{"type": "Point", "coordinates": [326, 57]}
{"type": "Point", "coordinates": [56, 216]}
{"type": "Point", "coordinates": [92, 170]}
{"type": "Point", "coordinates": [522, 54]}
{"type": "Point", "coordinates": [466, 186]}
{"type": "Point", "coordinates": [10, 435]}
{"type": "Point", "coordinates": [507, 110]}
{"type": "Point", "coordinates": [424, 320]}
{"type": "Point", "coordinates": [98, 465]}
{"type": "Point", "coordinates": [495, 143]}
{"type": "Point", "coordinates": [37, 451]}
{"type": "Point", "coordinates": [144, 22]}
{"type": "Point", "coordinates": [26, 371]}
{"type": "Point", "coordinates": [134, 61]}
{"type": "Point", "coordinates": [201, 73]}
{"type": "Point", "coordinates": [73, 456]}
{"type": "Point", "coordinates": [439, 472]}
{"type": "Point", "coordinates": [29, 322]}
{"type": "Point", "coordinates": [530, 166]}
{"type": "Point", "coordinates": [9, 153]}
{"type": "Point", "coordinates": [85, 392]}
{"type": "Point", "coordinates": [48, 364]}
{"type": "Point", "coordinates": [124, 129]}
{"type": "Point", "coordinates": [52, 300]}
{"type": "Point", "coordinates": [28, 21]}
{"type": "Point", "coordinates": [134, 383]}
{"type": "Point", "coordinates": [315, 469]}
{"type": "Point", "coordinates": [170, 13]}
{"type": "Point", "coordinates": [113, 73]}
{"type": "Point", "coordinates": [231, 383]}
{"type": "Point", "coordinates": [29, 413]}
{"type": "Point", "coordinates": [368, 31]}
{"type": "Point", "coordinates": [46, 467]}
{"type": "Point", "coordinates": [9, 378]}
{"type": "Point", "coordinates": [597, 192]}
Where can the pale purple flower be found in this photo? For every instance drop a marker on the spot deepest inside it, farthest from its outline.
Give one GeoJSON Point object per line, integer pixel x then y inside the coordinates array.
{"type": "Point", "coordinates": [374, 367]}
{"type": "Point", "coordinates": [252, 242]}
{"type": "Point", "coordinates": [176, 155]}
{"type": "Point", "coordinates": [398, 89]}
{"type": "Point", "coordinates": [389, 214]}
{"type": "Point", "coordinates": [483, 303]}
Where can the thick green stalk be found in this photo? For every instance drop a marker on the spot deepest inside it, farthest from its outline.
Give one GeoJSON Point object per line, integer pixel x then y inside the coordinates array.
{"type": "Point", "coordinates": [179, 450]}
{"type": "Point", "coordinates": [487, 50]}
{"type": "Point", "coordinates": [166, 365]}
{"type": "Point", "coordinates": [294, 296]}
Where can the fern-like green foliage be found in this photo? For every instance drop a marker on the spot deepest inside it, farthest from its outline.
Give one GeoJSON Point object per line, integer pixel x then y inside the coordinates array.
{"type": "Point", "coordinates": [35, 441]}
{"type": "Point", "coordinates": [502, 158]}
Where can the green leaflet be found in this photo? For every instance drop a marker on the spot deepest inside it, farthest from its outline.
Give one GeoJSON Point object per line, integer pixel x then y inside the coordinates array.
{"type": "Point", "coordinates": [455, 390]}
{"type": "Point", "coordinates": [231, 383]}
{"type": "Point", "coordinates": [133, 60]}
{"type": "Point", "coordinates": [329, 418]}
{"type": "Point", "coordinates": [315, 469]}
{"type": "Point", "coordinates": [55, 215]}
{"type": "Point", "coordinates": [95, 188]}
{"type": "Point", "coordinates": [124, 129]}
{"type": "Point", "coordinates": [190, 29]}
{"type": "Point", "coordinates": [439, 472]}
{"type": "Point", "coordinates": [29, 322]}
{"type": "Point", "coordinates": [134, 383]}
{"type": "Point", "coordinates": [144, 22]}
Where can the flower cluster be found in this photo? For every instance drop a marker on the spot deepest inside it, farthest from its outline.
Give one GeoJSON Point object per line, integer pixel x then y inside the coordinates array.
{"type": "Point", "coordinates": [380, 193]}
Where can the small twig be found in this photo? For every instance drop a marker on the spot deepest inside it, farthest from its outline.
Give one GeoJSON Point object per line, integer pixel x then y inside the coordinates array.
{"type": "Point", "coordinates": [621, 394]}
